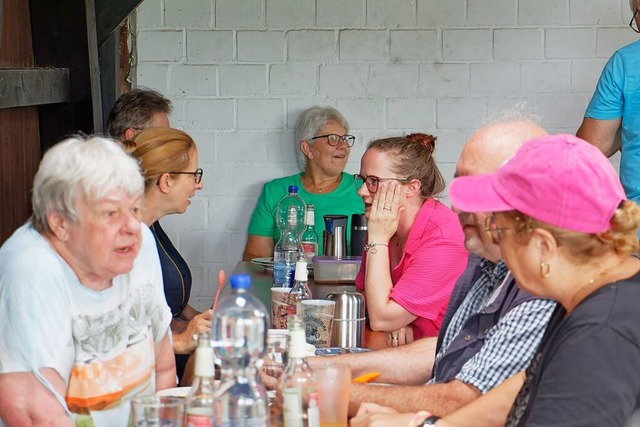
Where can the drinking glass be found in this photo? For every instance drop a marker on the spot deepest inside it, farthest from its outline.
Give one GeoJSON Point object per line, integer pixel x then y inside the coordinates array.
{"type": "Point", "coordinates": [157, 411]}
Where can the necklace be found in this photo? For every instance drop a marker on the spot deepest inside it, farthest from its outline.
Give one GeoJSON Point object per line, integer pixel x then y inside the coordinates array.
{"type": "Point", "coordinates": [313, 188]}
{"type": "Point", "coordinates": [591, 285]}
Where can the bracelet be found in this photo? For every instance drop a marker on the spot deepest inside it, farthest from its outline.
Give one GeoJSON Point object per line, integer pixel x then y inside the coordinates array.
{"type": "Point", "coordinates": [372, 247]}
{"type": "Point", "coordinates": [430, 421]}
{"type": "Point", "coordinates": [418, 417]}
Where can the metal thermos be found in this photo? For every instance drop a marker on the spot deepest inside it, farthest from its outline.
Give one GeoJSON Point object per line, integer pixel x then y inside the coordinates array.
{"type": "Point", "coordinates": [334, 237]}
{"type": "Point", "coordinates": [348, 319]}
{"type": "Point", "coordinates": [358, 234]}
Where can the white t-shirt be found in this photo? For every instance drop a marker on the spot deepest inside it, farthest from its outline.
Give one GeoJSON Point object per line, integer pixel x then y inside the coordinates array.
{"type": "Point", "coordinates": [100, 342]}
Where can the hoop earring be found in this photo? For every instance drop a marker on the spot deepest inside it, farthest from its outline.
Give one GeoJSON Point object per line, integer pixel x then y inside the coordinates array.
{"type": "Point", "coordinates": [545, 270]}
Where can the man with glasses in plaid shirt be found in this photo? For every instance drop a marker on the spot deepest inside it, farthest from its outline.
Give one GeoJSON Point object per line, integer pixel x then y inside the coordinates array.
{"type": "Point", "coordinates": [491, 329]}
{"type": "Point", "coordinates": [612, 119]}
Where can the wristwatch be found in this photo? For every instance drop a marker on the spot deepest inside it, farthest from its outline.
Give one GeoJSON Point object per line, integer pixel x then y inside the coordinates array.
{"type": "Point", "coordinates": [430, 421]}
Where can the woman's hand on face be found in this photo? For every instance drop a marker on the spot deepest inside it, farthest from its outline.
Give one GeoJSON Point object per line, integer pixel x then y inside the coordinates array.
{"type": "Point", "coordinates": [373, 415]}
{"type": "Point", "coordinates": [400, 336]}
{"type": "Point", "coordinates": [385, 212]}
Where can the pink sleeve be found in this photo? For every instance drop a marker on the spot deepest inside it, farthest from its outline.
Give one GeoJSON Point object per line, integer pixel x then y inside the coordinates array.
{"type": "Point", "coordinates": [360, 276]}
{"type": "Point", "coordinates": [430, 273]}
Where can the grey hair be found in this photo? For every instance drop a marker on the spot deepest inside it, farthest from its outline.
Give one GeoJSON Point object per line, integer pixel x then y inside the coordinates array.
{"type": "Point", "coordinates": [310, 122]}
{"type": "Point", "coordinates": [79, 167]}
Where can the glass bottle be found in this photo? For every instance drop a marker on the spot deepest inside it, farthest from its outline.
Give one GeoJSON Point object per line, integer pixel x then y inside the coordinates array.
{"type": "Point", "coordinates": [290, 220]}
{"type": "Point", "coordinates": [199, 401]}
{"type": "Point", "coordinates": [296, 390]}
{"type": "Point", "coordinates": [309, 237]}
{"type": "Point", "coordinates": [300, 290]}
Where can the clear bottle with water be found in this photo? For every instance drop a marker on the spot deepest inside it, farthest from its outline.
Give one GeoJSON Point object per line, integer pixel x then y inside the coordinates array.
{"type": "Point", "coordinates": [290, 220]}
{"type": "Point", "coordinates": [239, 327]}
{"type": "Point", "coordinates": [309, 237]}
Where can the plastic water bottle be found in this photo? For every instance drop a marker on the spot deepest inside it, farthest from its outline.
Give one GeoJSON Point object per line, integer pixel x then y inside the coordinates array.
{"type": "Point", "coordinates": [309, 237]}
{"type": "Point", "coordinates": [199, 401]}
{"type": "Point", "coordinates": [300, 290]}
{"type": "Point", "coordinates": [290, 219]}
{"type": "Point", "coordinates": [239, 327]}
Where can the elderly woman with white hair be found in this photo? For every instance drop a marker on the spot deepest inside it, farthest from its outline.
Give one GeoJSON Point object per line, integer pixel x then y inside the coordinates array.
{"type": "Point", "coordinates": [83, 320]}
{"type": "Point", "coordinates": [321, 136]}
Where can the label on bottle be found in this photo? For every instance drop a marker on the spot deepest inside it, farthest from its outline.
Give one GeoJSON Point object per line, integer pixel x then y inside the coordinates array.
{"type": "Point", "coordinates": [195, 419]}
{"type": "Point", "coordinates": [292, 407]}
{"type": "Point", "coordinates": [309, 249]}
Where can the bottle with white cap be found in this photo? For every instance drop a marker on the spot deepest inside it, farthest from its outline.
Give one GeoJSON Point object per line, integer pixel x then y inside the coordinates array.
{"type": "Point", "coordinates": [199, 401]}
{"type": "Point", "coordinates": [300, 290]}
{"type": "Point", "coordinates": [309, 237]}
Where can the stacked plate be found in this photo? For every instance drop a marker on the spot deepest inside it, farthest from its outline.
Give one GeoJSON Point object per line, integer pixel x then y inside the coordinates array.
{"type": "Point", "coordinates": [267, 263]}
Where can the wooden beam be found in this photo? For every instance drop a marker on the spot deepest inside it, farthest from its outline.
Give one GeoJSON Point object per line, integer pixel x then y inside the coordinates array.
{"type": "Point", "coordinates": [21, 87]}
{"type": "Point", "coordinates": [110, 13]}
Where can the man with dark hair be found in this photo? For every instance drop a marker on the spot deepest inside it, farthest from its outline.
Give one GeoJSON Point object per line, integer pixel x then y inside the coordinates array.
{"type": "Point", "coordinates": [138, 109]}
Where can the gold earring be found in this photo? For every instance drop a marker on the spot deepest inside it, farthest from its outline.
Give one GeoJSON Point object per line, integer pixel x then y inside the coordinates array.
{"type": "Point", "coordinates": [545, 270]}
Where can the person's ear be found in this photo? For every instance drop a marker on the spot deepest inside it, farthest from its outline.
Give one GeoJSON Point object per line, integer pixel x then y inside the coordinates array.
{"type": "Point", "coordinates": [545, 243]}
{"type": "Point", "coordinates": [130, 133]}
{"type": "Point", "coordinates": [305, 147]}
{"type": "Point", "coordinates": [164, 182]}
{"type": "Point", "coordinates": [58, 225]}
{"type": "Point", "coordinates": [413, 188]}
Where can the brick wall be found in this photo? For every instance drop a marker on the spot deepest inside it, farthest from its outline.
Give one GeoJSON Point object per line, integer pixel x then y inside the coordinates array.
{"type": "Point", "coordinates": [240, 71]}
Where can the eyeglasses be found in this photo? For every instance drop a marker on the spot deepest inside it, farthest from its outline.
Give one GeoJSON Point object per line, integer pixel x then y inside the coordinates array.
{"type": "Point", "coordinates": [197, 174]}
{"type": "Point", "coordinates": [334, 139]}
{"type": "Point", "coordinates": [633, 24]}
{"type": "Point", "coordinates": [493, 230]}
{"type": "Point", "coordinates": [372, 181]}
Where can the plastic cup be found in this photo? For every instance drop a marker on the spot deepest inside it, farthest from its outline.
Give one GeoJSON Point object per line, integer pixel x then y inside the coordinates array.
{"type": "Point", "coordinates": [276, 357]}
{"type": "Point", "coordinates": [279, 305]}
{"type": "Point", "coordinates": [157, 411]}
{"type": "Point", "coordinates": [318, 321]}
{"type": "Point", "coordinates": [333, 382]}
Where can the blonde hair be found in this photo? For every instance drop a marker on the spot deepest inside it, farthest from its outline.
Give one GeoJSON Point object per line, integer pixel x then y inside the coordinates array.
{"type": "Point", "coordinates": [159, 151]}
{"type": "Point", "coordinates": [620, 238]}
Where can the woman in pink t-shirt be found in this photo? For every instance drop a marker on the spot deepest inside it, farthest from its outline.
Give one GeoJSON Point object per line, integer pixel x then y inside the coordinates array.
{"type": "Point", "coordinates": [415, 251]}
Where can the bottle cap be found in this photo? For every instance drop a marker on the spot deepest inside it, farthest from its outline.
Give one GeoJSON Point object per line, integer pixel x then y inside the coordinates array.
{"type": "Point", "coordinates": [293, 189]}
{"type": "Point", "coordinates": [240, 281]}
{"type": "Point", "coordinates": [302, 274]}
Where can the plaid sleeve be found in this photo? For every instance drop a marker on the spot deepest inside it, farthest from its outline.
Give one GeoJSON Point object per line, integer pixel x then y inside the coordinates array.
{"type": "Point", "coordinates": [509, 346]}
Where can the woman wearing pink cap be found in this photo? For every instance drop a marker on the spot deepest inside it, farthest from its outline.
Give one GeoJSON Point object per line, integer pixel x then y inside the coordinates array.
{"type": "Point", "coordinates": [415, 251]}
{"type": "Point", "coordinates": [567, 232]}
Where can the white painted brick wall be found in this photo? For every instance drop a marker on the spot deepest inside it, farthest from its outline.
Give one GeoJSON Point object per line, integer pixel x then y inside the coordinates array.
{"type": "Point", "coordinates": [240, 71]}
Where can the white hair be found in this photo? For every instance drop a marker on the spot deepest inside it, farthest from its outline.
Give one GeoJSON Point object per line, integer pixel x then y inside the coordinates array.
{"type": "Point", "coordinates": [310, 122]}
{"type": "Point", "coordinates": [79, 167]}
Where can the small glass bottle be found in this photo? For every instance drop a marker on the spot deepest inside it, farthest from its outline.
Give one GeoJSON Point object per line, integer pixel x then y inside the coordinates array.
{"type": "Point", "coordinates": [296, 391]}
{"type": "Point", "coordinates": [199, 401]}
{"type": "Point", "coordinates": [300, 290]}
{"type": "Point", "coordinates": [309, 237]}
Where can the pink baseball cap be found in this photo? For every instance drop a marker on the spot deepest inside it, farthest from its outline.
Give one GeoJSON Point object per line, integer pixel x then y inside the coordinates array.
{"type": "Point", "coordinates": [557, 179]}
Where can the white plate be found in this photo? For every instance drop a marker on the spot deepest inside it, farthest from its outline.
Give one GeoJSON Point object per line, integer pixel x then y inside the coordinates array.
{"type": "Point", "coordinates": [267, 263]}
{"type": "Point", "coordinates": [174, 392]}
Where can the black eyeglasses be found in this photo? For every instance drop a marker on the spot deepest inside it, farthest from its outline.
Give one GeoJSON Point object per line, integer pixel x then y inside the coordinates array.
{"type": "Point", "coordinates": [492, 229]}
{"type": "Point", "coordinates": [372, 181]}
{"type": "Point", "coordinates": [197, 174]}
{"type": "Point", "coordinates": [334, 139]}
{"type": "Point", "coordinates": [633, 24]}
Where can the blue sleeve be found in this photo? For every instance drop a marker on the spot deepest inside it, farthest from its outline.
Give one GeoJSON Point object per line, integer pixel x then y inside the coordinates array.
{"type": "Point", "coordinates": [607, 102]}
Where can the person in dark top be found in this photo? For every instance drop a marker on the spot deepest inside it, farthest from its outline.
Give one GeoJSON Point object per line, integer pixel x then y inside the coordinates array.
{"type": "Point", "coordinates": [566, 231]}
{"type": "Point", "coordinates": [169, 159]}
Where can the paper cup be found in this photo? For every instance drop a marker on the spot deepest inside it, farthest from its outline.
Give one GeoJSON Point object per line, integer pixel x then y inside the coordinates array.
{"type": "Point", "coordinates": [318, 321]}
{"type": "Point", "coordinates": [279, 305]}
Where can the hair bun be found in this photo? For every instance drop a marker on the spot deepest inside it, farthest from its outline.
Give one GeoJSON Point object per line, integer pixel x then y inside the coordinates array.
{"type": "Point", "coordinates": [428, 141]}
{"type": "Point", "coordinates": [129, 145]}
